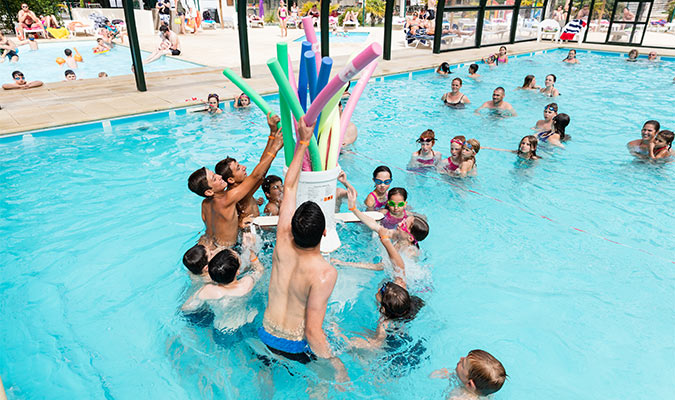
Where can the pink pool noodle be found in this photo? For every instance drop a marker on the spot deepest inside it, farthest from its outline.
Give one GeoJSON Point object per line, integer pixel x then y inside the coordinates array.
{"type": "Point", "coordinates": [310, 35]}
{"type": "Point", "coordinates": [352, 68]}
{"type": "Point", "coordinates": [306, 163]}
{"type": "Point", "coordinates": [354, 98]}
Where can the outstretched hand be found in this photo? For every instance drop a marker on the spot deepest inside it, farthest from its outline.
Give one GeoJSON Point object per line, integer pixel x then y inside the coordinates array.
{"type": "Point", "coordinates": [273, 122]}
{"type": "Point", "coordinates": [305, 132]}
{"type": "Point", "coordinates": [342, 178]}
{"type": "Point", "coordinates": [351, 197]}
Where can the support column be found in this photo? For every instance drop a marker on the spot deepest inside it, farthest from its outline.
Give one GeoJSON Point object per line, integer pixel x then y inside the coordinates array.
{"type": "Point", "coordinates": [440, 7]}
{"type": "Point", "coordinates": [242, 26]}
{"type": "Point", "coordinates": [323, 26]}
{"type": "Point", "coordinates": [388, 16]}
{"type": "Point", "coordinates": [136, 59]}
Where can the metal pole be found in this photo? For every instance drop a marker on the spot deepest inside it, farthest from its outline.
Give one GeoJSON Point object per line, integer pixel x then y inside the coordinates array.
{"type": "Point", "coordinates": [243, 39]}
{"type": "Point", "coordinates": [514, 21]}
{"type": "Point", "coordinates": [325, 11]}
{"type": "Point", "coordinates": [136, 59]}
{"type": "Point", "coordinates": [388, 16]}
{"type": "Point", "coordinates": [364, 12]}
{"type": "Point", "coordinates": [440, 8]}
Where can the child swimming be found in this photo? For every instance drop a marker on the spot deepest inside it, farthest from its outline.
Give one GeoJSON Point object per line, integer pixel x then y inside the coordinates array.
{"type": "Point", "coordinates": [450, 164]}
{"type": "Point", "coordinates": [397, 201]}
{"type": "Point", "coordinates": [242, 101]}
{"type": "Point", "coordinates": [273, 188]}
{"type": "Point", "coordinates": [556, 135]}
{"type": "Point", "coordinates": [502, 58]}
{"type": "Point", "coordinates": [196, 260]}
{"type": "Point", "coordinates": [480, 373]}
{"type": "Point", "coordinates": [640, 147]}
{"type": "Point", "coordinates": [443, 69]}
{"type": "Point", "coordinates": [425, 157]}
{"type": "Point", "coordinates": [661, 145]}
{"type": "Point", "coordinates": [633, 55]}
{"type": "Point", "coordinates": [473, 71]}
{"type": "Point", "coordinates": [469, 150]}
{"type": "Point", "coordinates": [550, 90]}
{"type": "Point", "coordinates": [377, 199]}
{"type": "Point", "coordinates": [550, 111]}
{"type": "Point", "coordinates": [530, 83]}
{"type": "Point", "coordinates": [527, 148]}
{"type": "Point", "coordinates": [212, 104]}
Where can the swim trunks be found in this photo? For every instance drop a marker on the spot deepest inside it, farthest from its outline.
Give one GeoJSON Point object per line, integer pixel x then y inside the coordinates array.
{"type": "Point", "coordinates": [12, 53]}
{"type": "Point", "coordinates": [294, 350]}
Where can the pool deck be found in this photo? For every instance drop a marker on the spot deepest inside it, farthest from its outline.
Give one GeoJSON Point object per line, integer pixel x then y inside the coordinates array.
{"type": "Point", "coordinates": [64, 103]}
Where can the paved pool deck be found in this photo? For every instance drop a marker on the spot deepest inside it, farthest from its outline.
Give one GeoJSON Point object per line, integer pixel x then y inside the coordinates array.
{"type": "Point", "coordinates": [64, 103]}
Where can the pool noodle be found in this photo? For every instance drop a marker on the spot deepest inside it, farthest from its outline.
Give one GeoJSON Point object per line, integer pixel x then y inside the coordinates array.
{"type": "Point", "coordinates": [324, 74]}
{"type": "Point", "coordinates": [294, 104]}
{"type": "Point", "coordinates": [310, 35]}
{"type": "Point", "coordinates": [286, 120]}
{"type": "Point", "coordinates": [331, 105]}
{"type": "Point", "coordinates": [352, 68]}
{"type": "Point", "coordinates": [302, 76]}
{"type": "Point", "coordinates": [324, 136]}
{"type": "Point", "coordinates": [310, 70]}
{"type": "Point", "coordinates": [354, 98]}
{"type": "Point", "coordinates": [252, 94]}
{"type": "Point", "coordinates": [335, 143]}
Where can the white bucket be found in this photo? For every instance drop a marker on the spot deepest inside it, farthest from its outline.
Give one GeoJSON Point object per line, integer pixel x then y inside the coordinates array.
{"type": "Point", "coordinates": [319, 187]}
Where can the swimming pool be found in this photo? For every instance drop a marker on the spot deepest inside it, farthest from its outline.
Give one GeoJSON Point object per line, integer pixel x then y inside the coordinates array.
{"type": "Point", "coordinates": [95, 220]}
{"type": "Point", "coordinates": [347, 37]}
{"type": "Point", "coordinates": [41, 65]}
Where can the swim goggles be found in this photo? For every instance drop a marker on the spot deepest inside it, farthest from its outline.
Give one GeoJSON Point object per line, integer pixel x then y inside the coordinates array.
{"type": "Point", "coordinates": [382, 182]}
{"type": "Point", "coordinates": [384, 288]}
{"type": "Point", "coordinates": [426, 140]}
{"type": "Point", "coordinates": [391, 203]}
{"type": "Point", "coordinates": [550, 108]}
{"type": "Point", "coordinates": [404, 228]}
{"type": "Point", "coordinates": [19, 77]}
{"type": "Point", "coordinates": [468, 145]}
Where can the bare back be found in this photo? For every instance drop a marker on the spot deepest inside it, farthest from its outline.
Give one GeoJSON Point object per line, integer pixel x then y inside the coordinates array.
{"type": "Point", "coordinates": [221, 220]}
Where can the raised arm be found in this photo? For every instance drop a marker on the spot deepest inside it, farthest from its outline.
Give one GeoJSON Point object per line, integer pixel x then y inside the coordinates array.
{"type": "Point", "coordinates": [396, 260]}
{"type": "Point", "coordinates": [369, 222]}
{"type": "Point", "coordinates": [288, 204]}
{"type": "Point", "coordinates": [274, 144]}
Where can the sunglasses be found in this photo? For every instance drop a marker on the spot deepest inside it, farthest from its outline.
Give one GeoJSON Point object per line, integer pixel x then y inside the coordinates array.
{"type": "Point", "coordinates": [426, 140]}
{"type": "Point", "coordinates": [391, 203]}
{"type": "Point", "coordinates": [382, 182]}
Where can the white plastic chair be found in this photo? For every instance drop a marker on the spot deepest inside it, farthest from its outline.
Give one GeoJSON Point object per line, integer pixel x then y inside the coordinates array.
{"type": "Point", "coordinates": [548, 29]}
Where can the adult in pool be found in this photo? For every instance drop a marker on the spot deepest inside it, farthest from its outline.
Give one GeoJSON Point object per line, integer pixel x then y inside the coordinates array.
{"type": "Point", "coordinates": [219, 207]}
{"type": "Point", "coordinates": [640, 147]}
{"type": "Point", "coordinates": [571, 57]}
{"type": "Point", "coordinates": [633, 55]}
{"type": "Point", "coordinates": [527, 148]}
{"type": "Point", "coordinates": [302, 280]}
{"type": "Point", "coordinates": [455, 98]}
{"type": "Point", "coordinates": [529, 83]}
{"type": "Point", "coordinates": [498, 104]}
{"type": "Point", "coordinates": [377, 199]}
{"type": "Point", "coordinates": [549, 88]}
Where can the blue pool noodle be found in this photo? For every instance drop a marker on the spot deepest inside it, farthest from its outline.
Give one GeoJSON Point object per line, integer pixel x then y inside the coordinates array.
{"type": "Point", "coordinates": [302, 76]}
{"type": "Point", "coordinates": [310, 69]}
{"type": "Point", "coordinates": [324, 75]}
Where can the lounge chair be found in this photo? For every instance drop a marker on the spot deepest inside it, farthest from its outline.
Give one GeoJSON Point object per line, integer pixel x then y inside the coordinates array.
{"type": "Point", "coordinates": [29, 31]}
{"type": "Point", "coordinates": [548, 29]}
{"type": "Point", "coordinates": [292, 23]}
{"type": "Point", "coordinates": [255, 21]}
{"type": "Point", "coordinates": [350, 24]}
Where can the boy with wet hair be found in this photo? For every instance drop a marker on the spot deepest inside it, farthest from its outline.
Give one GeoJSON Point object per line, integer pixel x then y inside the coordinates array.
{"type": "Point", "coordinates": [70, 60]}
{"type": "Point", "coordinates": [480, 373]}
{"type": "Point", "coordinates": [196, 260]}
{"type": "Point", "coordinates": [234, 174]}
{"type": "Point", "coordinates": [273, 188]}
{"type": "Point", "coordinates": [219, 207]}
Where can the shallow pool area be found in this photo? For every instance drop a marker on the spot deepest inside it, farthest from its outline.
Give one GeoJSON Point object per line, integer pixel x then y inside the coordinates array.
{"type": "Point", "coordinates": [560, 268]}
{"type": "Point", "coordinates": [41, 64]}
{"type": "Point", "coordinates": [341, 37]}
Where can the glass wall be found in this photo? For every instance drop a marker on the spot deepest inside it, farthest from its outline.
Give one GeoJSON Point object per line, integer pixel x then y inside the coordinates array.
{"type": "Point", "coordinates": [529, 17]}
{"type": "Point", "coordinates": [497, 27]}
{"type": "Point", "coordinates": [459, 29]}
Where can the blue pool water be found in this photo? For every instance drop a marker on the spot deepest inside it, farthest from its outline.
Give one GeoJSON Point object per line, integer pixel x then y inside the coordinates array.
{"type": "Point", "coordinates": [94, 222]}
{"type": "Point", "coordinates": [41, 65]}
{"type": "Point", "coordinates": [348, 37]}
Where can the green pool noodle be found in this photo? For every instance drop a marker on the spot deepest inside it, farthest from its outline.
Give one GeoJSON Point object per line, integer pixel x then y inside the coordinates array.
{"type": "Point", "coordinates": [294, 104]}
{"type": "Point", "coordinates": [286, 121]}
{"type": "Point", "coordinates": [252, 94]}
{"type": "Point", "coordinates": [332, 104]}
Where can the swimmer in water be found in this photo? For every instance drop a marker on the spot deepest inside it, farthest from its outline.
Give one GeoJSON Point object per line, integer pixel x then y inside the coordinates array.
{"type": "Point", "coordinates": [633, 55]}
{"type": "Point", "coordinates": [425, 157]}
{"type": "Point", "coordinates": [234, 174]}
{"type": "Point", "coordinates": [502, 58]}
{"type": "Point", "coordinates": [491, 60]}
{"type": "Point", "coordinates": [451, 164]}
{"type": "Point", "coordinates": [550, 90]}
{"type": "Point", "coordinates": [481, 375]}
{"type": "Point", "coordinates": [219, 207]}
{"type": "Point", "coordinates": [469, 150]}
{"type": "Point", "coordinates": [640, 147]}
{"type": "Point", "coordinates": [473, 71]}
{"type": "Point", "coordinates": [550, 111]}
{"type": "Point", "coordinates": [351, 134]}
{"type": "Point", "coordinates": [527, 149]}
{"type": "Point", "coordinates": [497, 103]}
{"type": "Point", "coordinates": [395, 211]}
{"type": "Point", "coordinates": [652, 56]}
{"type": "Point", "coordinates": [556, 135]}
{"type": "Point", "coordinates": [571, 57]}
{"type": "Point", "coordinates": [243, 101]}
{"type": "Point", "coordinates": [196, 260]}
{"type": "Point", "coordinates": [212, 103]}
{"type": "Point", "coordinates": [377, 199]}
{"type": "Point", "coordinates": [455, 98]}
{"type": "Point", "coordinates": [661, 145]}
{"type": "Point", "coordinates": [443, 69]}
{"type": "Point", "coordinates": [530, 83]}
{"type": "Point", "coordinates": [273, 188]}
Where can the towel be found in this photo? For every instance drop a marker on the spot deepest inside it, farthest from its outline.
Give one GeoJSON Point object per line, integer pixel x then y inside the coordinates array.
{"type": "Point", "coordinates": [58, 33]}
{"type": "Point", "coordinates": [572, 29]}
